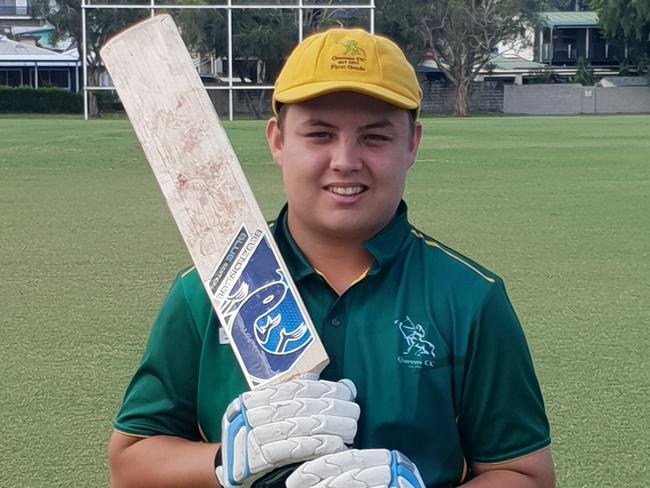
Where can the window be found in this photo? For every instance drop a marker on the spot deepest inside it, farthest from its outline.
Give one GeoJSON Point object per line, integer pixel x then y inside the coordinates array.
{"type": "Point", "coordinates": [568, 44]}
{"type": "Point", "coordinates": [14, 7]}
{"type": "Point", "coordinates": [51, 77]}
{"type": "Point", "coordinates": [11, 77]}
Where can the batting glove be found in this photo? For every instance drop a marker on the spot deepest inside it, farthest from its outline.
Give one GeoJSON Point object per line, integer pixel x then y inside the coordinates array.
{"type": "Point", "coordinates": [289, 423]}
{"type": "Point", "coordinates": [368, 468]}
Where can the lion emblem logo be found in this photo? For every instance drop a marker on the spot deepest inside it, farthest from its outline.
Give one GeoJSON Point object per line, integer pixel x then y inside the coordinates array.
{"type": "Point", "coordinates": [414, 336]}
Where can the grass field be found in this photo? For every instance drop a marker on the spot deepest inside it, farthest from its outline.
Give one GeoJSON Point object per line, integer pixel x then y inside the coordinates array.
{"type": "Point", "coordinates": [559, 206]}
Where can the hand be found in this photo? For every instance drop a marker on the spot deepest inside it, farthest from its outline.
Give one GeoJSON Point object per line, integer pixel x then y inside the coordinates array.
{"type": "Point", "coordinates": [366, 468]}
{"type": "Point", "coordinates": [284, 424]}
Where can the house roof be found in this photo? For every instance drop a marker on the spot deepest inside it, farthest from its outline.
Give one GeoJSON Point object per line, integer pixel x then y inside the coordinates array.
{"type": "Point", "coordinates": [513, 62]}
{"type": "Point", "coordinates": [427, 66]}
{"type": "Point", "coordinates": [569, 19]}
{"type": "Point", "coordinates": [31, 29]}
{"type": "Point", "coordinates": [18, 54]}
{"type": "Point", "coordinates": [498, 62]}
{"type": "Point", "coordinates": [16, 51]}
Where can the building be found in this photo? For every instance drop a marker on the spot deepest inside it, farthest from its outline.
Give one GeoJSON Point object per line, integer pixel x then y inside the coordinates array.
{"type": "Point", "coordinates": [28, 65]}
{"type": "Point", "coordinates": [554, 50]}
{"type": "Point", "coordinates": [15, 10]}
{"type": "Point", "coordinates": [27, 56]}
{"type": "Point", "coordinates": [568, 36]}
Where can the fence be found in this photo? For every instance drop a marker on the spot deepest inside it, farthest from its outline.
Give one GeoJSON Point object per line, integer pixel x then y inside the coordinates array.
{"type": "Point", "coordinates": [573, 99]}
{"type": "Point", "coordinates": [438, 97]}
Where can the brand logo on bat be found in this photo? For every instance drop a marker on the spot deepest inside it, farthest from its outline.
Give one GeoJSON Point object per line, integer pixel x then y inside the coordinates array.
{"type": "Point", "coordinates": [269, 314]}
{"type": "Point", "coordinates": [258, 307]}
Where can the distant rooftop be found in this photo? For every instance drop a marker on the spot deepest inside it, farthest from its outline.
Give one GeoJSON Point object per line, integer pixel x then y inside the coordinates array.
{"type": "Point", "coordinates": [510, 62]}
{"type": "Point", "coordinates": [569, 19]}
{"type": "Point", "coordinates": [16, 51]}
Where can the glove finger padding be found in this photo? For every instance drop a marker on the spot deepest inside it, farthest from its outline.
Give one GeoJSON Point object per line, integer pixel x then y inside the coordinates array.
{"type": "Point", "coordinates": [344, 427]}
{"type": "Point", "coordinates": [299, 407]}
{"type": "Point", "coordinates": [283, 424]}
{"type": "Point", "coordinates": [368, 468]}
{"type": "Point", "coordinates": [291, 451]}
{"type": "Point", "coordinates": [295, 389]}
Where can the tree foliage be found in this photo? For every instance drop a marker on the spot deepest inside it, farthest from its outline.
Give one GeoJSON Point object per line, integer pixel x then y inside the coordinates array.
{"type": "Point", "coordinates": [401, 21]}
{"type": "Point", "coordinates": [566, 5]}
{"type": "Point", "coordinates": [263, 36]}
{"type": "Point", "coordinates": [101, 24]}
{"type": "Point", "coordinates": [627, 23]}
{"type": "Point", "coordinates": [584, 73]}
{"type": "Point", "coordinates": [461, 34]}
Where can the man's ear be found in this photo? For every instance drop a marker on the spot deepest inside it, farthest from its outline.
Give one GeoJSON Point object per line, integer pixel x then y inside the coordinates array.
{"type": "Point", "coordinates": [415, 141]}
{"type": "Point", "coordinates": [274, 138]}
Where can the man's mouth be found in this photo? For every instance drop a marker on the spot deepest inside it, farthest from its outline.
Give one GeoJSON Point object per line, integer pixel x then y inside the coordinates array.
{"type": "Point", "coordinates": [347, 191]}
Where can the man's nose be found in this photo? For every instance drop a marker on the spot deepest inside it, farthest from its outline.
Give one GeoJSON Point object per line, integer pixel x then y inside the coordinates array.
{"type": "Point", "coordinates": [346, 155]}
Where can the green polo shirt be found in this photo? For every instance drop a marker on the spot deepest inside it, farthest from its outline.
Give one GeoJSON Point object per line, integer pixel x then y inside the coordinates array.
{"type": "Point", "coordinates": [428, 336]}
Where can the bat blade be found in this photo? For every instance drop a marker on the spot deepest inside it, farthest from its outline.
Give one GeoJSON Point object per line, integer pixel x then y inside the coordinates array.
{"type": "Point", "coordinates": [213, 206]}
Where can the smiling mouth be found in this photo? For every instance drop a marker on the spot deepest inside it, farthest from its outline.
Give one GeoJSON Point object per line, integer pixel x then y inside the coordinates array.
{"type": "Point", "coordinates": [347, 191]}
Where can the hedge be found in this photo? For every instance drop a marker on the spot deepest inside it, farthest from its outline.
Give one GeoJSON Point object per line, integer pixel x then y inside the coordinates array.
{"type": "Point", "coordinates": [41, 100]}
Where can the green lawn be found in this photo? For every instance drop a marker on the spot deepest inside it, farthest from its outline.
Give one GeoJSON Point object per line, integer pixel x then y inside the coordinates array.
{"type": "Point", "coordinates": [559, 206]}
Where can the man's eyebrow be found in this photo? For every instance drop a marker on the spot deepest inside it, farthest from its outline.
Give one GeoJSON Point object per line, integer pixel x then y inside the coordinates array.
{"type": "Point", "coordinates": [382, 124]}
{"type": "Point", "coordinates": [319, 123]}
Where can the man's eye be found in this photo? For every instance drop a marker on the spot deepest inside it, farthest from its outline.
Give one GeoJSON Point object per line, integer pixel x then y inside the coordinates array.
{"type": "Point", "coordinates": [320, 135]}
{"type": "Point", "coordinates": [376, 138]}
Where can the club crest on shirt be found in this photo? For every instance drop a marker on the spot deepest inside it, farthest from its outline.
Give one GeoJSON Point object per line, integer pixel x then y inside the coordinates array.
{"type": "Point", "coordinates": [417, 352]}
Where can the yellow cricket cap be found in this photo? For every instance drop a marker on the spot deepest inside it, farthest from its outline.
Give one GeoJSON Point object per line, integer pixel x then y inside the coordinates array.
{"type": "Point", "coordinates": [348, 60]}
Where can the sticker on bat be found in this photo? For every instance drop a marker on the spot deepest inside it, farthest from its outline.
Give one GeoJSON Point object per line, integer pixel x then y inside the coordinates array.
{"type": "Point", "coordinates": [258, 308]}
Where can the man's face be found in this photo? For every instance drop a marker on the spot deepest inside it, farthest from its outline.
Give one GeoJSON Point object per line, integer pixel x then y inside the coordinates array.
{"type": "Point", "coordinates": [344, 159]}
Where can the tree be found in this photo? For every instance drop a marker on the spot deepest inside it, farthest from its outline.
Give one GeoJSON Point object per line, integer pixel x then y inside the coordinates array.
{"type": "Point", "coordinates": [627, 23]}
{"type": "Point", "coordinates": [584, 73]}
{"type": "Point", "coordinates": [400, 20]}
{"type": "Point", "coordinates": [566, 5]}
{"type": "Point", "coordinates": [65, 16]}
{"type": "Point", "coordinates": [263, 36]}
{"type": "Point", "coordinates": [462, 34]}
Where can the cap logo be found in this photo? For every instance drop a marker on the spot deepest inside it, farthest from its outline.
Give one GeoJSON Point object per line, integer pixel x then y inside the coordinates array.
{"type": "Point", "coordinates": [353, 57]}
{"type": "Point", "coordinates": [352, 47]}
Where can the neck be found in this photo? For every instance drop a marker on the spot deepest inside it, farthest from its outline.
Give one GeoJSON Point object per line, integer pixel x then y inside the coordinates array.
{"type": "Point", "coordinates": [340, 261]}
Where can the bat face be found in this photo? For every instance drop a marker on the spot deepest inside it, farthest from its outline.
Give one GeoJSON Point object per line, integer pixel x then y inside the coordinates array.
{"type": "Point", "coordinates": [213, 206]}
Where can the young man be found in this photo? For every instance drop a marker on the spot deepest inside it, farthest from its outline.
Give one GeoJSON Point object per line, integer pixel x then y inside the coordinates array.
{"type": "Point", "coordinates": [430, 378]}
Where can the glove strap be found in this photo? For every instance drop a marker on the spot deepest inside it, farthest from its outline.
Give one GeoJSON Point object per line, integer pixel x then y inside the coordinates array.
{"type": "Point", "coordinates": [217, 461]}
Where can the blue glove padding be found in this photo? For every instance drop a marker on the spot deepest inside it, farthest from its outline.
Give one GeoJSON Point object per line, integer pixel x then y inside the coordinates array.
{"type": "Point", "coordinates": [367, 468]}
{"type": "Point", "coordinates": [283, 424]}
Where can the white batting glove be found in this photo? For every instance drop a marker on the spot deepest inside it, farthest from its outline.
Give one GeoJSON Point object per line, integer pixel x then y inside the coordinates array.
{"type": "Point", "coordinates": [285, 424]}
{"type": "Point", "coordinates": [367, 468]}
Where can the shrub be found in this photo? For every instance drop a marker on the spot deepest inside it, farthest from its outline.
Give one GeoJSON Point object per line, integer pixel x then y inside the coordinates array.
{"type": "Point", "coordinates": [41, 100]}
{"type": "Point", "coordinates": [107, 102]}
{"type": "Point", "coordinates": [584, 73]}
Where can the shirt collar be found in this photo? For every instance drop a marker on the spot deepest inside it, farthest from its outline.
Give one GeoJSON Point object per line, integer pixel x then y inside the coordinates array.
{"type": "Point", "coordinates": [383, 246]}
{"type": "Point", "coordinates": [386, 244]}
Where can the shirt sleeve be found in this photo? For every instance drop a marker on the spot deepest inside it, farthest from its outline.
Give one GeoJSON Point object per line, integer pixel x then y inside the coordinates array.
{"type": "Point", "coordinates": [502, 413]}
{"type": "Point", "coordinates": [161, 398]}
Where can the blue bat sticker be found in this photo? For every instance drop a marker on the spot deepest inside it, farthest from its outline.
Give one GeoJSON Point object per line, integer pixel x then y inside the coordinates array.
{"type": "Point", "coordinates": [265, 322]}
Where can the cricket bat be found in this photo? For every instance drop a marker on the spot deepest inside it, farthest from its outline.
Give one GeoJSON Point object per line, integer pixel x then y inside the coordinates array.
{"type": "Point", "coordinates": [243, 273]}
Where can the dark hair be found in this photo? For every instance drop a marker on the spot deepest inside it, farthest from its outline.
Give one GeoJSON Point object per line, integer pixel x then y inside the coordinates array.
{"type": "Point", "coordinates": [282, 108]}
